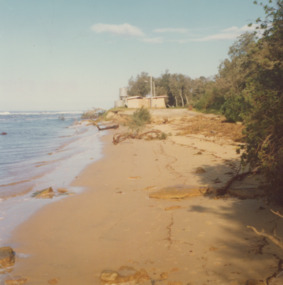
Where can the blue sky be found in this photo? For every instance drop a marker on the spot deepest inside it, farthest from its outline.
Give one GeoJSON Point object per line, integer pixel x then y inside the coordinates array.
{"type": "Point", "coordinates": [75, 55]}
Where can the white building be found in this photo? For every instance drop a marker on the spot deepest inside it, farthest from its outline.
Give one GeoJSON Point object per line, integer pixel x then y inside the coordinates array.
{"type": "Point", "coordinates": [135, 102]}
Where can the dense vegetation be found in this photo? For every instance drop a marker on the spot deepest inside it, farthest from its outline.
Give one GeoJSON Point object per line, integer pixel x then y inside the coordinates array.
{"type": "Point", "coordinates": [247, 88]}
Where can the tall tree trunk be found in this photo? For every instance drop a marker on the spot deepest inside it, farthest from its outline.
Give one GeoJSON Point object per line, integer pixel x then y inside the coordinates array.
{"type": "Point", "coordinates": [176, 101]}
{"type": "Point", "coordinates": [187, 100]}
{"type": "Point", "coordinates": [182, 99]}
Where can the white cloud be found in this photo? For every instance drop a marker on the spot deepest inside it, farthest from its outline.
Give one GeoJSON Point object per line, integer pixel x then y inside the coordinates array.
{"type": "Point", "coordinates": [123, 29]}
{"type": "Point", "coordinates": [171, 30]}
{"type": "Point", "coordinates": [219, 36]}
{"type": "Point", "coordinates": [230, 33]}
{"type": "Point", "coordinates": [226, 34]}
{"type": "Point", "coordinates": [241, 30]}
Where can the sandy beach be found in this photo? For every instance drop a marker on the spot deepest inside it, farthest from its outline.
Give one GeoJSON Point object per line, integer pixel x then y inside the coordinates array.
{"type": "Point", "coordinates": [144, 219]}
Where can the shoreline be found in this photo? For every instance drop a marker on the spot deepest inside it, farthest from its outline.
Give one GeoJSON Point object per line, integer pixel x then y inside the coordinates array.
{"type": "Point", "coordinates": [116, 224]}
{"type": "Point", "coordinates": [57, 170]}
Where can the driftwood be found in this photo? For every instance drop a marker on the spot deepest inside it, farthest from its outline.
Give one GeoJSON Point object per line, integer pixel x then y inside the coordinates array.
{"type": "Point", "coordinates": [278, 242]}
{"type": "Point", "coordinates": [223, 190]}
{"type": "Point", "coordinates": [150, 135]}
{"type": "Point", "coordinates": [105, 127]}
{"type": "Point", "coordinates": [273, 238]}
{"type": "Point", "coordinates": [239, 176]}
{"type": "Point", "coordinates": [276, 213]}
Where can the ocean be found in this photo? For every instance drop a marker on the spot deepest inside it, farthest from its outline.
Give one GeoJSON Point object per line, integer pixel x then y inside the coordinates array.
{"type": "Point", "coordinates": [40, 150]}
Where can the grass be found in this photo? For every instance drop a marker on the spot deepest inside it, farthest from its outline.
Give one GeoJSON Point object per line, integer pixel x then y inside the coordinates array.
{"type": "Point", "coordinates": [212, 127]}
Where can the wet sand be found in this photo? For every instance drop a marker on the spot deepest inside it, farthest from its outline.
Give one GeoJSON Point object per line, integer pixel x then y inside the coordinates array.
{"type": "Point", "coordinates": [115, 225]}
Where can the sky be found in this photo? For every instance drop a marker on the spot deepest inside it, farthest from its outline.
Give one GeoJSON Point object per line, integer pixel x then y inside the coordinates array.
{"type": "Point", "coordinates": [76, 54]}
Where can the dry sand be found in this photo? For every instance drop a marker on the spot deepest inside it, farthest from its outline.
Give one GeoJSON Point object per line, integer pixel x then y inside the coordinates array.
{"type": "Point", "coordinates": [117, 224]}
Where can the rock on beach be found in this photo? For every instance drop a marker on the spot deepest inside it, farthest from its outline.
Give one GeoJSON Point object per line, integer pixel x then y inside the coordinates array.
{"type": "Point", "coordinates": [47, 193]}
{"type": "Point", "coordinates": [125, 275]}
{"type": "Point", "coordinates": [7, 257]}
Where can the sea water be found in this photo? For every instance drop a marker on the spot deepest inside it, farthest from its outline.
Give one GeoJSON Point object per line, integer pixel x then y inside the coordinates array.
{"type": "Point", "coordinates": [40, 150]}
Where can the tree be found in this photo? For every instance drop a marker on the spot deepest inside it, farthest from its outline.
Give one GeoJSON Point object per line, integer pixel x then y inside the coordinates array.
{"type": "Point", "coordinates": [233, 74]}
{"type": "Point", "coordinates": [180, 88]}
{"type": "Point", "coordinates": [264, 125]}
{"type": "Point", "coordinates": [140, 86]}
{"type": "Point", "coordinates": [163, 87]}
{"type": "Point", "coordinates": [207, 94]}
{"type": "Point", "coordinates": [177, 87]}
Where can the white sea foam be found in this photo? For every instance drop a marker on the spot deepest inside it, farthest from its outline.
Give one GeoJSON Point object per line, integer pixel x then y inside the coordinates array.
{"type": "Point", "coordinates": [28, 113]}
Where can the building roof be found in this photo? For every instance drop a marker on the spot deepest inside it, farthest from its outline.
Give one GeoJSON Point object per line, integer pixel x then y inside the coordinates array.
{"type": "Point", "coordinates": [140, 97]}
{"type": "Point", "coordinates": [134, 97]}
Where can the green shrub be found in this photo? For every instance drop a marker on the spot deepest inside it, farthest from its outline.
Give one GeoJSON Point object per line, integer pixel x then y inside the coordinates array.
{"type": "Point", "coordinates": [139, 119]}
{"type": "Point", "coordinates": [235, 108]}
{"type": "Point", "coordinates": [163, 136]}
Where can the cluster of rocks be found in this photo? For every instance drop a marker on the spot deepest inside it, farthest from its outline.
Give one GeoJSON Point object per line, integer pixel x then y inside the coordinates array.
{"type": "Point", "coordinates": [127, 275]}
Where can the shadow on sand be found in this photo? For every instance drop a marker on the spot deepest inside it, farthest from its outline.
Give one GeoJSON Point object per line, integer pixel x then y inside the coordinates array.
{"type": "Point", "coordinates": [246, 255]}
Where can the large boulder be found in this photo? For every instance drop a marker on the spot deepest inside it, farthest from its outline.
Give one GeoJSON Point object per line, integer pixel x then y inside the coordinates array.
{"type": "Point", "coordinates": [7, 257]}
